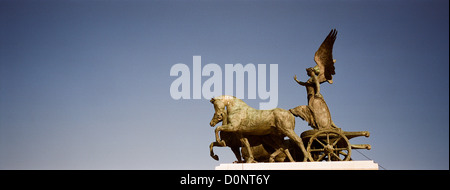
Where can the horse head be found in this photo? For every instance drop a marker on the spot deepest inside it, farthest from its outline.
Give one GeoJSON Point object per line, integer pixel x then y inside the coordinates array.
{"type": "Point", "coordinates": [219, 114]}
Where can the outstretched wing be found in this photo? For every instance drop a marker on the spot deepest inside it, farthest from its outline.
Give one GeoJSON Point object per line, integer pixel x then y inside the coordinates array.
{"type": "Point", "coordinates": [324, 58]}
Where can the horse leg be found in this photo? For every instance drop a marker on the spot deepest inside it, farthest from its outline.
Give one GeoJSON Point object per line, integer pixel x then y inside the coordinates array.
{"type": "Point", "coordinates": [211, 152]}
{"type": "Point", "coordinates": [218, 140]}
{"type": "Point", "coordinates": [288, 154]}
{"type": "Point", "coordinates": [279, 151]}
{"type": "Point", "coordinates": [274, 154]}
{"type": "Point", "coordinates": [246, 144]}
{"type": "Point", "coordinates": [237, 153]}
{"type": "Point", "coordinates": [225, 128]}
{"type": "Point", "coordinates": [291, 134]}
{"type": "Point", "coordinates": [285, 123]}
{"type": "Point", "coordinates": [277, 144]}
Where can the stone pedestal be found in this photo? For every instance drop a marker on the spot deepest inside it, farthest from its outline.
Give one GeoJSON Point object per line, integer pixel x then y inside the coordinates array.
{"type": "Point", "coordinates": [333, 165]}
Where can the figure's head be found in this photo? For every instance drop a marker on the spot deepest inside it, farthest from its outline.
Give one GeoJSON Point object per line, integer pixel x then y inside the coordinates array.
{"type": "Point", "coordinates": [311, 70]}
{"type": "Point", "coordinates": [219, 111]}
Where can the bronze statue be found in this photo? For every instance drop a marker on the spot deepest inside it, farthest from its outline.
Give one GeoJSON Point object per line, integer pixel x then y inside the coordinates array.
{"type": "Point", "coordinates": [261, 133]}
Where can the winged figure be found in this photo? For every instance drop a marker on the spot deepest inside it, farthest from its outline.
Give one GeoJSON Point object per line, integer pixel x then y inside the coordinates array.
{"type": "Point", "coordinates": [316, 113]}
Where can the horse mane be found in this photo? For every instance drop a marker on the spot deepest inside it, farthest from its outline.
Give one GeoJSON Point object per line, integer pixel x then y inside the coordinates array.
{"type": "Point", "coordinates": [229, 99]}
{"type": "Point", "coordinates": [225, 97]}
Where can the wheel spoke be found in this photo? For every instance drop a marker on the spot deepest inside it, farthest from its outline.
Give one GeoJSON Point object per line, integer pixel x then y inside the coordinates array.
{"type": "Point", "coordinates": [320, 142]}
{"type": "Point", "coordinates": [328, 138]}
{"type": "Point", "coordinates": [335, 155]}
{"type": "Point", "coordinates": [329, 157]}
{"type": "Point", "coordinates": [317, 150]}
{"type": "Point", "coordinates": [335, 142]}
{"type": "Point", "coordinates": [343, 153]}
{"type": "Point", "coordinates": [321, 157]}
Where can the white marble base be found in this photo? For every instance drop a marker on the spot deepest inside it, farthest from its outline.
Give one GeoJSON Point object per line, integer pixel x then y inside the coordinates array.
{"type": "Point", "coordinates": [333, 165]}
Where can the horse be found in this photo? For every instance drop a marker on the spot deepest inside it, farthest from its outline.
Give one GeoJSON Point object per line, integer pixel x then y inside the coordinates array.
{"type": "Point", "coordinates": [260, 147]}
{"type": "Point", "coordinates": [245, 120]}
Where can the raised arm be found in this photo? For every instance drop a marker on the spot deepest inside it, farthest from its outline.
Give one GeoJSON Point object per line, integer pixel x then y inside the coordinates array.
{"type": "Point", "coordinates": [299, 82]}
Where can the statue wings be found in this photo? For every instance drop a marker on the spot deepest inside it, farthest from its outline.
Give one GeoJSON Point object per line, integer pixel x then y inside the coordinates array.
{"type": "Point", "coordinates": [324, 58]}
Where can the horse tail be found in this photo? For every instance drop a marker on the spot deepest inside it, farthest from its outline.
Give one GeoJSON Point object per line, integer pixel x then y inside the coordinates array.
{"type": "Point", "coordinates": [305, 113]}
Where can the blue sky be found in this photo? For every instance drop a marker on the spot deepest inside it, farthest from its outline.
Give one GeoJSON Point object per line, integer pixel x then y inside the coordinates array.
{"type": "Point", "coordinates": [85, 84]}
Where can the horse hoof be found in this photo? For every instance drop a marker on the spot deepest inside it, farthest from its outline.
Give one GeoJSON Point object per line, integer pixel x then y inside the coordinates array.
{"type": "Point", "coordinates": [215, 157]}
{"type": "Point", "coordinates": [251, 161]}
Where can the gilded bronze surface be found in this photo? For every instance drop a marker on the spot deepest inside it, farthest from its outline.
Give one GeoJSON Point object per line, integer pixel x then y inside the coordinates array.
{"type": "Point", "coordinates": [259, 135]}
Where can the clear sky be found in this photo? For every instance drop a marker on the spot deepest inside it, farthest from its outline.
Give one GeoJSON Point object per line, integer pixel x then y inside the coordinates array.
{"type": "Point", "coordinates": [85, 84]}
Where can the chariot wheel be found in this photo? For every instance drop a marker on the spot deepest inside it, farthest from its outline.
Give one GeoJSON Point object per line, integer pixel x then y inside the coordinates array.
{"type": "Point", "coordinates": [329, 145]}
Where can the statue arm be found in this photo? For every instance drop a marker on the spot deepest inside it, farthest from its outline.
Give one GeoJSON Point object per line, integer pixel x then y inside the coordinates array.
{"type": "Point", "coordinates": [299, 82]}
